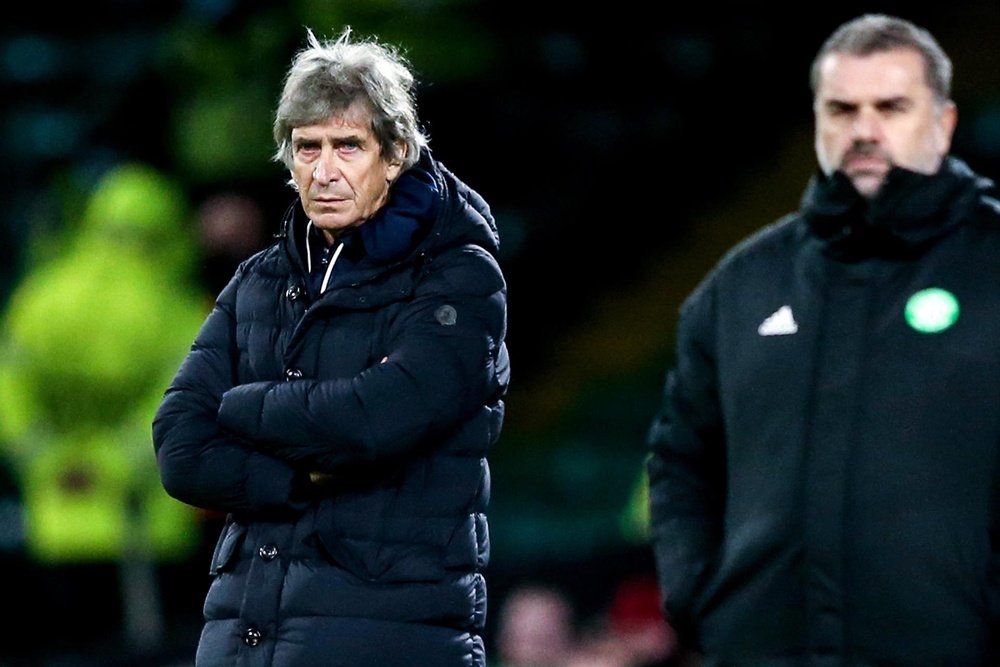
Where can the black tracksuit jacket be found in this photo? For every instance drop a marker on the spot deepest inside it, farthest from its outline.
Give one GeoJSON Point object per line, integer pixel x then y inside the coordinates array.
{"type": "Point", "coordinates": [824, 467]}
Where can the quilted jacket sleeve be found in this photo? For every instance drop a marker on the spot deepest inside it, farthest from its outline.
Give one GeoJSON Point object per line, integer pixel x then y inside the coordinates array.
{"type": "Point", "coordinates": [199, 464]}
{"type": "Point", "coordinates": [445, 361]}
{"type": "Point", "coordinates": [686, 469]}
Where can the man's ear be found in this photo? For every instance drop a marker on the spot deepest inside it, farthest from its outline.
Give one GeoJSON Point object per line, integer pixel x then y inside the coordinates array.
{"type": "Point", "coordinates": [395, 165]}
{"type": "Point", "coordinates": [945, 129]}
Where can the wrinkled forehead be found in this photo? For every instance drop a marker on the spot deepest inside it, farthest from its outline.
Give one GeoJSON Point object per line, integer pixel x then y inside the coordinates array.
{"type": "Point", "coordinates": [356, 113]}
{"type": "Point", "coordinates": [355, 119]}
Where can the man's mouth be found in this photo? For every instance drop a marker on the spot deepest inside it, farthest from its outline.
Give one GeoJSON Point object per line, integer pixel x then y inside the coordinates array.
{"type": "Point", "coordinates": [858, 161]}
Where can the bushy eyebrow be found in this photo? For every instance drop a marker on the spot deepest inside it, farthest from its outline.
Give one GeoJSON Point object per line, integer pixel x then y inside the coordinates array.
{"type": "Point", "coordinates": [337, 141]}
{"type": "Point", "coordinates": [888, 103]}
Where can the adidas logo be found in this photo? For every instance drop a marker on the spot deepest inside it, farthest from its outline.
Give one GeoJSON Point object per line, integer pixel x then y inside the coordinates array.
{"type": "Point", "coordinates": [780, 323]}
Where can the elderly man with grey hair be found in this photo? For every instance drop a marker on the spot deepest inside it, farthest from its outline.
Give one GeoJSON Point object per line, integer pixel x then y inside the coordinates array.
{"type": "Point", "coordinates": [339, 401]}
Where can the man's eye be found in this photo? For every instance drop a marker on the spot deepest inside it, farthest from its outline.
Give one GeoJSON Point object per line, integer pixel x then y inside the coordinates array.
{"type": "Point", "coordinates": [893, 108]}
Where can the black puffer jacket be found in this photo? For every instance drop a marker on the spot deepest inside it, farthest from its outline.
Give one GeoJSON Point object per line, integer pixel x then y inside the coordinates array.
{"type": "Point", "coordinates": [824, 469]}
{"type": "Point", "coordinates": [391, 384]}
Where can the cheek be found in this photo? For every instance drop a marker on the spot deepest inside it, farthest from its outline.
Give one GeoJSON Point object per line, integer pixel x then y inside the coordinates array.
{"type": "Point", "coordinates": [828, 149]}
{"type": "Point", "coordinates": [373, 186]}
{"type": "Point", "coordinates": [302, 178]}
{"type": "Point", "coordinates": [918, 147]}
{"type": "Point", "coordinates": [942, 139]}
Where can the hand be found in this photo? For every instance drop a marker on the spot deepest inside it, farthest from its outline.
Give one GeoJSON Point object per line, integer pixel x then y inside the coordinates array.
{"type": "Point", "coordinates": [320, 478]}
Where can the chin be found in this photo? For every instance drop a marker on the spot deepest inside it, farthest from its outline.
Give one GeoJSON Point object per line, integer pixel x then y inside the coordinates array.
{"type": "Point", "coordinates": [328, 222]}
{"type": "Point", "coordinates": [867, 183]}
{"type": "Point", "coordinates": [868, 188]}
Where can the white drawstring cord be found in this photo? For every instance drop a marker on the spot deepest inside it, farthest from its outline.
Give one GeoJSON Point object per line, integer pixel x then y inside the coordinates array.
{"type": "Point", "coordinates": [309, 255]}
{"type": "Point", "coordinates": [333, 260]}
{"type": "Point", "coordinates": [329, 269]}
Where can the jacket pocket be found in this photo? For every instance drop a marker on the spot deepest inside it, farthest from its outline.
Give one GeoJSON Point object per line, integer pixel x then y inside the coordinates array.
{"type": "Point", "coordinates": [230, 539]}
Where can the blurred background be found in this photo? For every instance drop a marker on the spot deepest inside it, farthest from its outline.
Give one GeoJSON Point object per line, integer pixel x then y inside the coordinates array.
{"type": "Point", "coordinates": [622, 148]}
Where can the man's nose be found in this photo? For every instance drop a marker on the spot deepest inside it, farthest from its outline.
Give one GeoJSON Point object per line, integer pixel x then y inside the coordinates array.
{"type": "Point", "coordinates": [326, 170]}
{"type": "Point", "coordinates": [866, 126]}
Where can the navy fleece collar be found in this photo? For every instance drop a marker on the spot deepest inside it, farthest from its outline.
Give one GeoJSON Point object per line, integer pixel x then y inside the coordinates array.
{"type": "Point", "coordinates": [388, 236]}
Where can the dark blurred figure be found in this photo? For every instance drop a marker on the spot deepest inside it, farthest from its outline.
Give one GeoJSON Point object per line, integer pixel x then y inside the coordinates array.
{"type": "Point", "coordinates": [17, 642]}
{"type": "Point", "coordinates": [824, 467]}
{"type": "Point", "coordinates": [635, 621]}
{"type": "Point", "coordinates": [231, 227]}
{"type": "Point", "coordinates": [90, 336]}
{"type": "Point", "coordinates": [536, 628]}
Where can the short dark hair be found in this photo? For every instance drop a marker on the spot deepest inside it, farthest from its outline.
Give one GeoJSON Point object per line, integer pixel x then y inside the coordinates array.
{"type": "Point", "coordinates": [874, 33]}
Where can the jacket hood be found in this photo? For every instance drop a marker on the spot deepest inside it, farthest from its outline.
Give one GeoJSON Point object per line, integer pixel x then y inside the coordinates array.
{"type": "Point", "coordinates": [464, 216]}
{"type": "Point", "coordinates": [910, 209]}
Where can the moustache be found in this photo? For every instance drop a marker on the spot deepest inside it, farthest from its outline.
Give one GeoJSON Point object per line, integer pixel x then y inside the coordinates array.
{"type": "Point", "coordinates": [866, 151]}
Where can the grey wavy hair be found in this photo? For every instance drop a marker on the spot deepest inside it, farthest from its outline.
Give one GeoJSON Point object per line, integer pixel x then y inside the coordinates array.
{"type": "Point", "coordinates": [328, 78]}
{"type": "Point", "coordinates": [875, 33]}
